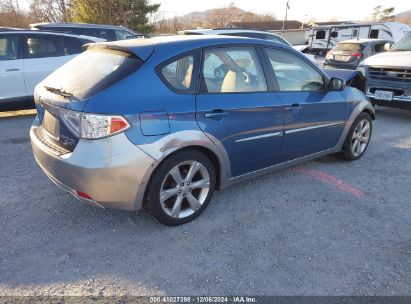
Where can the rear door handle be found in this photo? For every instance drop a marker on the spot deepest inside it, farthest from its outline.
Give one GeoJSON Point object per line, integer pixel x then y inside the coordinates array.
{"type": "Point", "coordinates": [294, 107]}
{"type": "Point", "coordinates": [216, 114]}
{"type": "Point", "coordinates": [12, 70]}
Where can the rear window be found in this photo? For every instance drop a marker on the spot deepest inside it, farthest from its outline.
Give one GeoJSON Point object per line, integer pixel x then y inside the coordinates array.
{"type": "Point", "coordinates": [352, 47]}
{"type": "Point", "coordinates": [92, 72]}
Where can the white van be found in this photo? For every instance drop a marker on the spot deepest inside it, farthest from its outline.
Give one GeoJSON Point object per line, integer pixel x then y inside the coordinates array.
{"type": "Point", "coordinates": [324, 38]}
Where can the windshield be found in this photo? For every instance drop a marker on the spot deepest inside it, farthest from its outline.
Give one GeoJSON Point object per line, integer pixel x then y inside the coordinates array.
{"type": "Point", "coordinates": [350, 47]}
{"type": "Point", "coordinates": [91, 72]}
{"type": "Point", "coordinates": [403, 45]}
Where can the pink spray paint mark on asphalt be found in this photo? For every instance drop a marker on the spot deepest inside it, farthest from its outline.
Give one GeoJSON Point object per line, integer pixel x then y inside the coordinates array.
{"type": "Point", "coordinates": [331, 180]}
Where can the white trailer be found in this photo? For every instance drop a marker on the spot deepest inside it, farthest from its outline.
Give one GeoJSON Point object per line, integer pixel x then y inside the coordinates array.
{"type": "Point", "coordinates": [324, 38]}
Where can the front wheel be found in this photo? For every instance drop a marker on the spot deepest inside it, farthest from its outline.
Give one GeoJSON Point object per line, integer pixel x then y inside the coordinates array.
{"type": "Point", "coordinates": [181, 188]}
{"type": "Point", "coordinates": [358, 137]}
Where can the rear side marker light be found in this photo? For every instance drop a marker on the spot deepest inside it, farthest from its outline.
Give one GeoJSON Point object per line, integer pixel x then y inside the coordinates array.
{"type": "Point", "coordinates": [84, 195]}
{"type": "Point", "coordinates": [117, 124]}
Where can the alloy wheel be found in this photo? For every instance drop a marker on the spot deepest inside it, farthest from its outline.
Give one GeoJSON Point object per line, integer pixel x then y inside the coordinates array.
{"type": "Point", "coordinates": [184, 189]}
{"type": "Point", "coordinates": [360, 137]}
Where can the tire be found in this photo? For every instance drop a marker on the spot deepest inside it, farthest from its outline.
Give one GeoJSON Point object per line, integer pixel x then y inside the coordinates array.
{"type": "Point", "coordinates": [358, 138]}
{"type": "Point", "coordinates": [171, 186]}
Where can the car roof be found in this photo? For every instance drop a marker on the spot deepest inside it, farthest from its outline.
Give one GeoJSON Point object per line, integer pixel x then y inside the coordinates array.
{"type": "Point", "coordinates": [189, 40]}
{"type": "Point", "coordinates": [178, 44]}
{"type": "Point", "coordinates": [226, 30]}
{"type": "Point", "coordinates": [364, 41]}
{"type": "Point", "coordinates": [22, 32]}
{"type": "Point", "coordinates": [78, 25]}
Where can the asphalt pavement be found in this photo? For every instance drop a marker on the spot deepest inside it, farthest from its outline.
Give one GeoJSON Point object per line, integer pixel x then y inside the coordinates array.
{"type": "Point", "coordinates": [327, 227]}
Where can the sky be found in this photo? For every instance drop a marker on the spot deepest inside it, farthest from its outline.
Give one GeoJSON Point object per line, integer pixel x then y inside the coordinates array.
{"type": "Point", "coordinates": [302, 10]}
{"type": "Point", "coordinates": [299, 9]}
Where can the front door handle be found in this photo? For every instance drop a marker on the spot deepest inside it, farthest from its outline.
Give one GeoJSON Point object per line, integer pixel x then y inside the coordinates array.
{"type": "Point", "coordinates": [294, 107]}
{"type": "Point", "coordinates": [216, 114]}
{"type": "Point", "coordinates": [12, 70]}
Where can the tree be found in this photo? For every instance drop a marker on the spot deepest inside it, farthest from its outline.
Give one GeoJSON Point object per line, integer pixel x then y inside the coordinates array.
{"type": "Point", "coordinates": [130, 13]}
{"type": "Point", "coordinates": [51, 10]}
{"type": "Point", "coordinates": [11, 15]}
{"type": "Point", "coordinates": [380, 14]}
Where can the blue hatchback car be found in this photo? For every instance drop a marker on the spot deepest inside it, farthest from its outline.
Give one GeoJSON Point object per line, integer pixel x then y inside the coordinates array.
{"type": "Point", "coordinates": [164, 122]}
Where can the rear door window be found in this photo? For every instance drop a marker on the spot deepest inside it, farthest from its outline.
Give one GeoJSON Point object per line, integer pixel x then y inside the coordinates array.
{"type": "Point", "coordinates": [9, 47]}
{"type": "Point", "coordinates": [42, 46]}
{"type": "Point", "coordinates": [93, 71]}
{"type": "Point", "coordinates": [233, 70]}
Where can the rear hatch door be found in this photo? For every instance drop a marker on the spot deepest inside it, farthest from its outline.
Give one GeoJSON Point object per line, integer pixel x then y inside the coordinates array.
{"type": "Point", "coordinates": [63, 95]}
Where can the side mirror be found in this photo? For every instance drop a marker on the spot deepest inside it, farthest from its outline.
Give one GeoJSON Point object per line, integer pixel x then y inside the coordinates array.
{"type": "Point", "coordinates": [387, 47]}
{"type": "Point", "coordinates": [337, 84]}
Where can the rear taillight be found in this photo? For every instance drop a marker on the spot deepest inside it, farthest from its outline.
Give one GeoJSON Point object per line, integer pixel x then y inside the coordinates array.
{"type": "Point", "coordinates": [93, 126]}
{"type": "Point", "coordinates": [357, 55]}
{"type": "Point", "coordinates": [98, 126]}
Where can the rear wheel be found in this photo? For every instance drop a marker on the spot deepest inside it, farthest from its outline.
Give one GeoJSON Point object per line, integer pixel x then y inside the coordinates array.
{"type": "Point", "coordinates": [181, 188]}
{"type": "Point", "coordinates": [358, 137]}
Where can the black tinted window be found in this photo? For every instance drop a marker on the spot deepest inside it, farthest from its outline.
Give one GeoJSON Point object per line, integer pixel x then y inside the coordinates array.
{"type": "Point", "coordinates": [107, 34]}
{"type": "Point", "coordinates": [374, 34]}
{"type": "Point", "coordinates": [38, 46]}
{"type": "Point", "coordinates": [122, 34]}
{"type": "Point", "coordinates": [8, 47]}
{"type": "Point", "coordinates": [73, 30]}
{"type": "Point", "coordinates": [74, 45]}
{"type": "Point", "coordinates": [320, 35]}
{"type": "Point", "coordinates": [59, 29]}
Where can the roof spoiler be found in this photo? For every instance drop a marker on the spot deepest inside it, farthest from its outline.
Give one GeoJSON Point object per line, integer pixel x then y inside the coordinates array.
{"type": "Point", "coordinates": [141, 53]}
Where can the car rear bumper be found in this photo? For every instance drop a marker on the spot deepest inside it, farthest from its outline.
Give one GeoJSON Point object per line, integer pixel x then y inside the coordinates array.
{"type": "Point", "coordinates": [112, 171]}
{"type": "Point", "coordinates": [347, 66]}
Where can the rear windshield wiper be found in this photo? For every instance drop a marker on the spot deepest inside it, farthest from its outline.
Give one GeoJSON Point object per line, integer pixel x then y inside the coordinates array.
{"type": "Point", "coordinates": [60, 92]}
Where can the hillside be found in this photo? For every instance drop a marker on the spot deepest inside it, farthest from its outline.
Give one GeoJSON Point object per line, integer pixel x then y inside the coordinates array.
{"type": "Point", "coordinates": [404, 17]}
{"type": "Point", "coordinates": [212, 18]}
